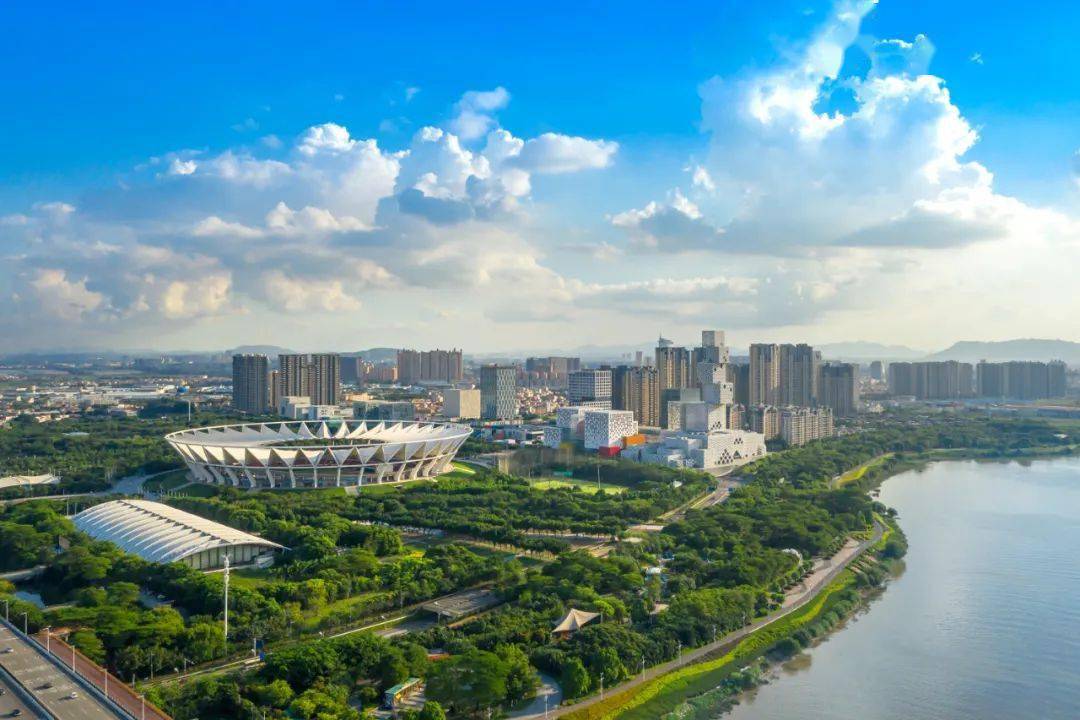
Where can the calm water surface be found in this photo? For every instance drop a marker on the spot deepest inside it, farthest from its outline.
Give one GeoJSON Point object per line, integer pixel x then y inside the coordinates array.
{"type": "Point", "coordinates": [983, 624]}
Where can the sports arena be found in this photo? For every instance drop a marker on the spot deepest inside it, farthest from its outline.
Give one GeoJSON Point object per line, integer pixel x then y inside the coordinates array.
{"type": "Point", "coordinates": [318, 454]}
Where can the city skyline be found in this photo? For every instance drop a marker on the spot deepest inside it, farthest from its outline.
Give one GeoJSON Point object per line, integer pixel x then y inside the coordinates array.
{"type": "Point", "coordinates": [796, 172]}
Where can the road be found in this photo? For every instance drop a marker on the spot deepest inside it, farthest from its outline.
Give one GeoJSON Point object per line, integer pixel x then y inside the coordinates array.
{"type": "Point", "coordinates": [50, 686]}
{"type": "Point", "coordinates": [798, 598]}
{"type": "Point", "coordinates": [11, 699]}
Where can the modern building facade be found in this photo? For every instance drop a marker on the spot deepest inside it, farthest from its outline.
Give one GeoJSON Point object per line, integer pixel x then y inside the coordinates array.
{"type": "Point", "coordinates": [293, 371]}
{"type": "Point", "coordinates": [498, 392]}
{"type": "Point", "coordinates": [673, 365]}
{"type": "Point", "coordinates": [251, 383]}
{"type": "Point", "coordinates": [607, 428]}
{"type": "Point", "coordinates": [1021, 380]}
{"type": "Point", "coordinates": [764, 386]}
{"type": "Point", "coordinates": [318, 453]}
{"type": "Point", "coordinates": [324, 378]}
{"type": "Point", "coordinates": [947, 380]}
{"type": "Point", "coordinates": [637, 389]}
{"type": "Point", "coordinates": [838, 388]}
{"type": "Point", "coordinates": [800, 425]}
{"type": "Point", "coordinates": [798, 374]}
{"type": "Point", "coordinates": [589, 388]}
{"type": "Point", "coordinates": [463, 404]}
{"type": "Point", "coordinates": [434, 366]}
{"type": "Point", "coordinates": [764, 419]}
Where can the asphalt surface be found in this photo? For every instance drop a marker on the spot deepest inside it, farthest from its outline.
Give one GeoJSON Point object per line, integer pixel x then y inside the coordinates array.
{"type": "Point", "coordinates": [10, 701]}
{"type": "Point", "coordinates": [33, 671]}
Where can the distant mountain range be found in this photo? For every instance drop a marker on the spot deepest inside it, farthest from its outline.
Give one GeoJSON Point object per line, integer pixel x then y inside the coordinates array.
{"type": "Point", "coordinates": [860, 350]}
{"type": "Point", "coordinates": [1026, 349]}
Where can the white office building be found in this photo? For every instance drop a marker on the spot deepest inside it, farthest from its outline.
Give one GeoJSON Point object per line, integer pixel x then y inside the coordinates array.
{"type": "Point", "coordinates": [607, 428]}
{"type": "Point", "coordinates": [589, 388]}
{"type": "Point", "coordinates": [701, 450]}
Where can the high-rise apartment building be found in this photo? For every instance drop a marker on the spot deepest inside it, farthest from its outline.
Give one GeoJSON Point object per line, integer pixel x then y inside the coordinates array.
{"type": "Point", "coordinates": [637, 389]}
{"type": "Point", "coordinates": [798, 374]}
{"type": "Point", "coordinates": [293, 370]}
{"type": "Point", "coordinates": [673, 365]}
{"type": "Point", "coordinates": [589, 388]}
{"type": "Point", "coordinates": [739, 377]}
{"type": "Point", "coordinates": [416, 366]}
{"type": "Point", "coordinates": [877, 370]}
{"type": "Point", "coordinates": [498, 392]}
{"type": "Point", "coordinates": [948, 380]}
{"type": "Point", "coordinates": [838, 388]}
{"type": "Point", "coordinates": [800, 425]}
{"type": "Point", "coordinates": [275, 389]}
{"type": "Point", "coordinates": [764, 386]}
{"type": "Point", "coordinates": [251, 389]}
{"type": "Point", "coordinates": [324, 378]}
{"type": "Point", "coordinates": [764, 419]}
{"type": "Point", "coordinates": [1020, 380]}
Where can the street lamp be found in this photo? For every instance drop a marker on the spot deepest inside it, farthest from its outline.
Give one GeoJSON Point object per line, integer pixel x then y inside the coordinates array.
{"type": "Point", "coordinates": [24, 621]}
{"type": "Point", "coordinates": [48, 637]}
{"type": "Point", "coordinates": [6, 617]}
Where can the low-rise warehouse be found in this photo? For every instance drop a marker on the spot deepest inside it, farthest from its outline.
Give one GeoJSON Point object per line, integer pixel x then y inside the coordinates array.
{"type": "Point", "coordinates": [160, 533]}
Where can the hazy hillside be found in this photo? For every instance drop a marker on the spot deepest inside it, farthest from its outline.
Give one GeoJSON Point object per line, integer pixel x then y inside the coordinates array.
{"type": "Point", "coordinates": [1024, 349]}
{"type": "Point", "coordinates": [860, 350]}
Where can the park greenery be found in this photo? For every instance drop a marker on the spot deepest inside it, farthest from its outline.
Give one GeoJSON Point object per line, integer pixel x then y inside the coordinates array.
{"type": "Point", "coordinates": [89, 452]}
{"type": "Point", "coordinates": [355, 558]}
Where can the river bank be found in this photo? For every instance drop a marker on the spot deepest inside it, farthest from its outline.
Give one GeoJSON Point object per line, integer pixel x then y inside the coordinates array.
{"type": "Point", "coordinates": [716, 683]}
{"type": "Point", "coordinates": [979, 625]}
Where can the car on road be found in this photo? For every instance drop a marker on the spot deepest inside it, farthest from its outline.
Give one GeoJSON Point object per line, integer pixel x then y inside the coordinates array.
{"type": "Point", "coordinates": [15, 713]}
{"type": "Point", "coordinates": [8, 649]}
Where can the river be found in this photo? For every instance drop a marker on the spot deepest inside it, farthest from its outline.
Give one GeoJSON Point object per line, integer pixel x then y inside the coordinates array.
{"type": "Point", "coordinates": [984, 622]}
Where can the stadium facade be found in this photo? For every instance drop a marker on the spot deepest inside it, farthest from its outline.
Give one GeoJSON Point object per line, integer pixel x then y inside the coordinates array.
{"type": "Point", "coordinates": [318, 453]}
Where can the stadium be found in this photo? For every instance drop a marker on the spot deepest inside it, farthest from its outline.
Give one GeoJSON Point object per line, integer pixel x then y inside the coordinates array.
{"type": "Point", "coordinates": [318, 454]}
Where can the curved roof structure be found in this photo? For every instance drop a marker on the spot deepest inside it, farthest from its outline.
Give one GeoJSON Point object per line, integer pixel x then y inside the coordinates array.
{"type": "Point", "coordinates": [318, 453]}
{"type": "Point", "coordinates": [161, 533]}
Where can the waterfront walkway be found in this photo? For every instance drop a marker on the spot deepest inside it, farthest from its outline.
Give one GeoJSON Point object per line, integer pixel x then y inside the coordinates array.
{"type": "Point", "coordinates": [817, 581]}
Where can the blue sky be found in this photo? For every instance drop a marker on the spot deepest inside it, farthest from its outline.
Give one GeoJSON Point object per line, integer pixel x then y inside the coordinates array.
{"type": "Point", "coordinates": [100, 98]}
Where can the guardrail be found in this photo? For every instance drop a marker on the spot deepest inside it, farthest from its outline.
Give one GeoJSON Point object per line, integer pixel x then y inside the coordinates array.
{"type": "Point", "coordinates": [107, 685]}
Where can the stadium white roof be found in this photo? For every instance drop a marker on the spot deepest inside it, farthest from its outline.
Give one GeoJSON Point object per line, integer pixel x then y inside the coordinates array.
{"type": "Point", "coordinates": [158, 532]}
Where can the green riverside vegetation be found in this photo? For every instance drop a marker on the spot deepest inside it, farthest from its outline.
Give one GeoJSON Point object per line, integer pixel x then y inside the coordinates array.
{"type": "Point", "coordinates": [367, 558]}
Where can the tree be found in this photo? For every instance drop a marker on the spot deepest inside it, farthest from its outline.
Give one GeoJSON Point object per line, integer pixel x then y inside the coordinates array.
{"type": "Point", "coordinates": [575, 679]}
{"type": "Point", "coordinates": [474, 681]}
{"type": "Point", "coordinates": [303, 665]}
{"type": "Point", "coordinates": [88, 644]}
{"type": "Point", "coordinates": [432, 711]}
{"type": "Point", "coordinates": [521, 678]}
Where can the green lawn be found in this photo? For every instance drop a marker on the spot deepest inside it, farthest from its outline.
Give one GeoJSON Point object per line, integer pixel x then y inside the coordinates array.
{"type": "Point", "coordinates": [347, 608]}
{"type": "Point", "coordinates": [587, 486]}
{"type": "Point", "coordinates": [249, 578]}
{"type": "Point", "coordinates": [857, 474]}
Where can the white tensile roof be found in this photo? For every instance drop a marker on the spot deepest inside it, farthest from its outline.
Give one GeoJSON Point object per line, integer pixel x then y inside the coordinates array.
{"type": "Point", "coordinates": [158, 532]}
{"type": "Point", "coordinates": [575, 620]}
{"type": "Point", "coordinates": [348, 443]}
